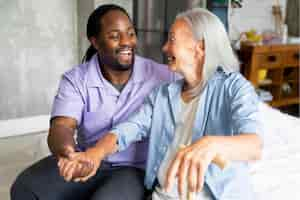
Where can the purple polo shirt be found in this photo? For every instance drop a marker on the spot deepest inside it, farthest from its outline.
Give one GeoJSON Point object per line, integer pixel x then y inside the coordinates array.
{"type": "Point", "coordinates": [85, 95]}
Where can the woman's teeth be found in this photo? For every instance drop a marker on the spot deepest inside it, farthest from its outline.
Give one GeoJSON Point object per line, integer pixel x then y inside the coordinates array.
{"type": "Point", "coordinates": [170, 59]}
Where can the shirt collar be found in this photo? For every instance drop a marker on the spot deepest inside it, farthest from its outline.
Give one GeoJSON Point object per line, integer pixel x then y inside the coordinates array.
{"type": "Point", "coordinates": [96, 79]}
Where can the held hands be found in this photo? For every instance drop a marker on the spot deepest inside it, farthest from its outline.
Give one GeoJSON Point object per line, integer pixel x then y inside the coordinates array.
{"type": "Point", "coordinates": [79, 166]}
{"type": "Point", "coordinates": [191, 163]}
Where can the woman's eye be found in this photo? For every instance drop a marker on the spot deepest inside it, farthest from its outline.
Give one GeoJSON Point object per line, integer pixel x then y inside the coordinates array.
{"type": "Point", "coordinates": [171, 39]}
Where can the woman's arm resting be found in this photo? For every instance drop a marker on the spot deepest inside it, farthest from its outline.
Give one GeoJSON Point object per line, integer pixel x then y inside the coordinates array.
{"type": "Point", "coordinates": [191, 162]}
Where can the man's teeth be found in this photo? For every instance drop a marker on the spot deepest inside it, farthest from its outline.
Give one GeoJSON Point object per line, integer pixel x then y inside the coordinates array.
{"type": "Point", "coordinates": [126, 52]}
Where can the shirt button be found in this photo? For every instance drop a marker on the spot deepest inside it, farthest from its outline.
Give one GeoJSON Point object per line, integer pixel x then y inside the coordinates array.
{"type": "Point", "coordinates": [155, 168]}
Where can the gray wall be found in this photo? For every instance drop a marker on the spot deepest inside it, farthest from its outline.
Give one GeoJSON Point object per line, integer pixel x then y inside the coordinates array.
{"type": "Point", "coordinates": [38, 43]}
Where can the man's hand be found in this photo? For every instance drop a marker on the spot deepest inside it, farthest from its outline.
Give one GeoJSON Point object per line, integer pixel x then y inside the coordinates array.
{"type": "Point", "coordinates": [65, 165]}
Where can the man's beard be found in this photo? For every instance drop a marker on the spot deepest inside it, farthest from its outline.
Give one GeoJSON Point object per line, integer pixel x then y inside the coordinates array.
{"type": "Point", "coordinates": [115, 64]}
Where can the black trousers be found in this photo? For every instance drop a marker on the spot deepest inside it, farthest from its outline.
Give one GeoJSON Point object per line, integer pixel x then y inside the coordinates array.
{"type": "Point", "coordinates": [42, 181]}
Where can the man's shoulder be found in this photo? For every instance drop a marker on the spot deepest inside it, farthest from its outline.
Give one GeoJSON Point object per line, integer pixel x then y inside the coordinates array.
{"type": "Point", "coordinates": [149, 63]}
{"type": "Point", "coordinates": [77, 70]}
{"type": "Point", "coordinates": [152, 68]}
{"type": "Point", "coordinates": [77, 73]}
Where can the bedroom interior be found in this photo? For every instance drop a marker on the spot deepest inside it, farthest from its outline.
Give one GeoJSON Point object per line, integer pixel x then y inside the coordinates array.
{"type": "Point", "coordinates": [265, 35]}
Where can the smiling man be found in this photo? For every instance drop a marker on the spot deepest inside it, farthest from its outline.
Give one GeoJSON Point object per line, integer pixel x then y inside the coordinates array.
{"type": "Point", "coordinates": [93, 97]}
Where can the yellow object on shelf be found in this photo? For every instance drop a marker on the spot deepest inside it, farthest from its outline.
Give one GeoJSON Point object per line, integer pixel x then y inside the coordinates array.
{"type": "Point", "coordinates": [252, 36]}
{"type": "Point", "coordinates": [262, 73]}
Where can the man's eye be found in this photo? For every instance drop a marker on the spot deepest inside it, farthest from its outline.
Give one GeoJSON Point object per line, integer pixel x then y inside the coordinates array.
{"type": "Point", "coordinates": [131, 34]}
{"type": "Point", "coordinates": [114, 37]}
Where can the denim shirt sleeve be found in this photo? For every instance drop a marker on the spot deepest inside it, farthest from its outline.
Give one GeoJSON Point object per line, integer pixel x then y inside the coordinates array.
{"type": "Point", "coordinates": [68, 101]}
{"type": "Point", "coordinates": [244, 104]}
{"type": "Point", "coordinates": [137, 125]}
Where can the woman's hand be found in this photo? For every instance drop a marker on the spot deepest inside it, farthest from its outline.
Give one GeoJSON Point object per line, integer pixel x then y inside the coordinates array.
{"type": "Point", "coordinates": [65, 165]}
{"type": "Point", "coordinates": [79, 166]}
{"type": "Point", "coordinates": [87, 164]}
{"type": "Point", "coordinates": [190, 164]}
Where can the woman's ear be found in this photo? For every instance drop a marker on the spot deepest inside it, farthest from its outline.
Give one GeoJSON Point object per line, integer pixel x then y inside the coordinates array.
{"type": "Point", "coordinates": [200, 48]}
{"type": "Point", "coordinates": [94, 42]}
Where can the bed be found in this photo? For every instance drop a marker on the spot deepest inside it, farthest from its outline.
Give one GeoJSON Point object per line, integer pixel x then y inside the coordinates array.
{"type": "Point", "coordinates": [277, 175]}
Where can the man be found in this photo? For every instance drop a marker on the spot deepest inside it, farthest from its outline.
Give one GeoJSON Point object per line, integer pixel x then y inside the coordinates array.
{"type": "Point", "coordinates": [92, 97]}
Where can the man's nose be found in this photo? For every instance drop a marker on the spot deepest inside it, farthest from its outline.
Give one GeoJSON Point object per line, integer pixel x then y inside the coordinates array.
{"type": "Point", "coordinates": [125, 40]}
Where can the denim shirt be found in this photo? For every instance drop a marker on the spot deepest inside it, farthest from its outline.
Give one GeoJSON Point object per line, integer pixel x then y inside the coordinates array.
{"type": "Point", "coordinates": [228, 106]}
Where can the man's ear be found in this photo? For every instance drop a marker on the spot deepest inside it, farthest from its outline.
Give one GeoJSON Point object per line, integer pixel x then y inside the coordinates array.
{"type": "Point", "coordinates": [94, 42]}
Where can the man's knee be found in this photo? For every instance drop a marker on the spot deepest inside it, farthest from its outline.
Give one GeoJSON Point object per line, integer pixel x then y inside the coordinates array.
{"type": "Point", "coordinates": [19, 190]}
{"type": "Point", "coordinates": [123, 184]}
{"type": "Point", "coordinates": [29, 182]}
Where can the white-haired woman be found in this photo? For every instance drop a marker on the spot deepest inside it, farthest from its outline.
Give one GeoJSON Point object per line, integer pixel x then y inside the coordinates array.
{"type": "Point", "coordinates": [212, 111]}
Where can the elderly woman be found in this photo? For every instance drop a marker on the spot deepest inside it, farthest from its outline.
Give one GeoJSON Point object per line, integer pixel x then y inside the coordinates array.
{"type": "Point", "coordinates": [212, 111]}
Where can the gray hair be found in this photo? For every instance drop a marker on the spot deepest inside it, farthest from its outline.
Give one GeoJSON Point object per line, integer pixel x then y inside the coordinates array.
{"type": "Point", "coordinates": [218, 51]}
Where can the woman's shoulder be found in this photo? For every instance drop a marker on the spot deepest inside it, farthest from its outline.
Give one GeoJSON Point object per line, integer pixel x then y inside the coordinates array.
{"type": "Point", "coordinates": [165, 88]}
{"type": "Point", "coordinates": [229, 79]}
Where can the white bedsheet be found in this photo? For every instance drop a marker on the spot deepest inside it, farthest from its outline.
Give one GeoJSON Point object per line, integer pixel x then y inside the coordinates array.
{"type": "Point", "coordinates": [277, 175]}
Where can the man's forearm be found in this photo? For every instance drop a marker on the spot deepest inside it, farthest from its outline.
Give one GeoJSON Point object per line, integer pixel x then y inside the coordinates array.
{"type": "Point", "coordinates": [61, 140]}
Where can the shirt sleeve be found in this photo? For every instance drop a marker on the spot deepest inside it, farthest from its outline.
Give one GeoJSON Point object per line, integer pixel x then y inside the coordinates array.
{"type": "Point", "coordinates": [137, 126]}
{"type": "Point", "coordinates": [68, 101]}
{"type": "Point", "coordinates": [244, 104]}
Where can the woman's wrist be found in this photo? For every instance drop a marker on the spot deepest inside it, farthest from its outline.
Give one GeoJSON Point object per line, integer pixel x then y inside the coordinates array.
{"type": "Point", "coordinates": [105, 146]}
{"type": "Point", "coordinates": [213, 145]}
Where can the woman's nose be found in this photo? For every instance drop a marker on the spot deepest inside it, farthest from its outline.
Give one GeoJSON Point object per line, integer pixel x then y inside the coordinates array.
{"type": "Point", "coordinates": [164, 48]}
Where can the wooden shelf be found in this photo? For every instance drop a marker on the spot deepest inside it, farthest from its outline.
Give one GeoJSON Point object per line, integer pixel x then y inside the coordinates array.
{"type": "Point", "coordinates": [282, 63]}
{"type": "Point", "coordinates": [287, 101]}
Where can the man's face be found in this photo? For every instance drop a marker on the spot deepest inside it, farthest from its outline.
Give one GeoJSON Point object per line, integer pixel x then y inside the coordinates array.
{"type": "Point", "coordinates": [181, 48]}
{"type": "Point", "coordinates": [117, 41]}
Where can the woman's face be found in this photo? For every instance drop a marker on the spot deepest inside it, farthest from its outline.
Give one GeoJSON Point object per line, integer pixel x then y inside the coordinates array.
{"type": "Point", "coordinates": [184, 53]}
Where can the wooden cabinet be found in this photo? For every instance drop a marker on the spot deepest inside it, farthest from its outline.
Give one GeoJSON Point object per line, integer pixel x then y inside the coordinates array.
{"type": "Point", "coordinates": [273, 68]}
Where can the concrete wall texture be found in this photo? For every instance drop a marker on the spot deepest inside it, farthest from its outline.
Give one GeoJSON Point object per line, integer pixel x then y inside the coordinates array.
{"type": "Point", "coordinates": [38, 43]}
{"type": "Point", "coordinates": [42, 39]}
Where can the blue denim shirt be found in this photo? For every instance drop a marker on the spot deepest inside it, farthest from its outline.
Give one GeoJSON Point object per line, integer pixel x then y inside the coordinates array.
{"type": "Point", "coordinates": [228, 106]}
